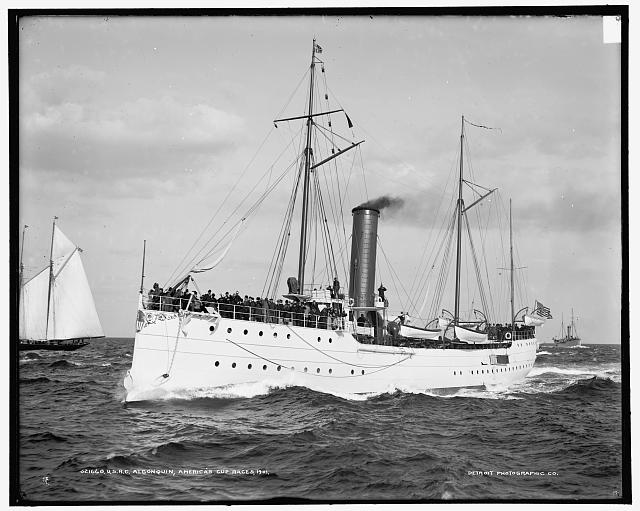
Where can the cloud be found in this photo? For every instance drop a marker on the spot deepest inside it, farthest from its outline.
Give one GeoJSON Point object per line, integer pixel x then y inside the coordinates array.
{"type": "Point", "coordinates": [67, 131]}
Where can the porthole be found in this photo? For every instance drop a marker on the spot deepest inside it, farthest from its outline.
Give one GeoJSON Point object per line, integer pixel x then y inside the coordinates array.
{"type": "Point", "coordinates": [275, 334]}
{"type": "Point", "coordinates": [288, 336]}
{"type": "Point", "coordinates": [318, 339]}
{"type": "Point", "coordinates": [279, 367]}
{"type": "Point", "coordinates": [246, 332]}
{"type": "Point", "coordinates": [212, 328]}
{"type": "Point", "coordinates": [264, 367]}
{"type": "Point", "coordinates": [260, 333]}
{"type": "Point", "coordinates": [217, 363]}
{"type": "Point", "coordinates": [318, 370]}
{"type": "Point", "coordinates": [330, 371]}
{"type": "Point", "coordinates": [228, 330]}
{"type": "Point", "coordinates": [330, 340]}
{"type": "Point", "coordinates": [233, 365]}
{"type": "Point", "coordinates": [363, 371]}
{"type": "Point", "coordinates": [351, 371]}
{"type": "Point", "coordinates": [454, 373]}
{"type": "Point", "coordinates": [483, 371]}
{"type": "Point", "coordinates": [249, 366]}
{"type": "Point", "coordinates": [305, 369]}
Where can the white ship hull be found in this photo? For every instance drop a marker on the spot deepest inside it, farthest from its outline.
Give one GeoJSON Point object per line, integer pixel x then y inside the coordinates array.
{"type": "Point", "coordinates": [203, 351]}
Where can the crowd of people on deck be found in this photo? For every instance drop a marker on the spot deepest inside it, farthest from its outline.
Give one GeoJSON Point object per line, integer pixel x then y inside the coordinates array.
{"type": "Point", "coordinates": [234, 306]}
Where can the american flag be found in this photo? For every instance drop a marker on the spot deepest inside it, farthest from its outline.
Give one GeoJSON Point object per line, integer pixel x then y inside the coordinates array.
{"type": "Point", "coordinates": [318, 48]}
{"type": "Point", "coordinates": [542, 311]}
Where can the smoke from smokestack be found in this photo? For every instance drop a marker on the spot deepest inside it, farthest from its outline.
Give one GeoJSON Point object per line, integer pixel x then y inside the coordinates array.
{"type": "Point", "coordinates": [384, 202]}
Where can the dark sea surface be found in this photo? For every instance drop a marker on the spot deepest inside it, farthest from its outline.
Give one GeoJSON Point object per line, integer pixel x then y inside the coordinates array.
{"type": "Point", "coordinates": [556, 435]}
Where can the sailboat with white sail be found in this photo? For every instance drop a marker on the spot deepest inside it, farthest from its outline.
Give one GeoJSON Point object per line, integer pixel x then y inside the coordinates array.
{"type": "Point", "coordinates": [317, 334]}
{"type": "Point", "coordinates": [56, 310]}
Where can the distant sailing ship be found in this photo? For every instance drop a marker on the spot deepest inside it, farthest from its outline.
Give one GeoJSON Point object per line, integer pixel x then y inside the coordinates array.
{"type": "Point", "coordinates": [57, 311]}
{"type": "Point", "coordinates": [570, 337]}
{"type": "Point", "coordinates": [322, 336]}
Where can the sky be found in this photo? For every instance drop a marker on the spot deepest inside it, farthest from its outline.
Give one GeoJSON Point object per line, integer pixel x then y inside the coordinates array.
{"type": "Point", "coordinates": [138, 128]}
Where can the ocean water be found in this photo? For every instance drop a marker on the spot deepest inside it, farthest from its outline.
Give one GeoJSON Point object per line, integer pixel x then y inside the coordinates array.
{"type": "Point", "coordinates": [555, 435]}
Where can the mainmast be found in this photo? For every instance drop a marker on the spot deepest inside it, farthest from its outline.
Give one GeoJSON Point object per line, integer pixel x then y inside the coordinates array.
{"type": "Point", "coordinates": [511, 266]}
{"type": "Point", "coordinates": [307, 173]}
{"type": "Point", "coordinates": [53, 230]}
{"type": "Point", "coordinates": [21, 254]}
{"type": "Point", "coordinates": [456, 317]}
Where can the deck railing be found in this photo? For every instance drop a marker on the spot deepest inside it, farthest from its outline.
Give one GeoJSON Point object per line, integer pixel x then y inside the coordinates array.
{"type": "Point", "coordinates": [246, 313]}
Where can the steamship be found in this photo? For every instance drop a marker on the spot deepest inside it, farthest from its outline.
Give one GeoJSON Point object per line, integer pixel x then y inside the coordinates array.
{"type": "Point", "coordinates": [318, 334]}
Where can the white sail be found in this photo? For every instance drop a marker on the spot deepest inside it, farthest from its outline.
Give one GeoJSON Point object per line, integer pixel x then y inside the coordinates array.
{"type": "Point", "coordinates": [470, 336]}
{"type": "Point", "coordinates": [533, 320]}
{"type": "Point", "coordinates": [62, 246]}
{"type": "Point", "coordinates": [33, 307]}
{"type": "Point", "coordinates": [72, 311]}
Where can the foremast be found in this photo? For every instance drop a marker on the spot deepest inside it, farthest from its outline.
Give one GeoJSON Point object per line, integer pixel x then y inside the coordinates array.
{"type": "Point", "coordinates": [53, 232]}
{"type": "Point", "coordinates": [460, 206]}
{"type": "Point", "coordinates": [307, 174]}
{"type": "Point", "coordinates": [308, 166]}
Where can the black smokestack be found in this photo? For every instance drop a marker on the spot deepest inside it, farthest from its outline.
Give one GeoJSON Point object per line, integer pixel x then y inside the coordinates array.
{"type": "Point", "coordinates": [384, 202]}
{"type": "Point", "coordinates": [363, 256]}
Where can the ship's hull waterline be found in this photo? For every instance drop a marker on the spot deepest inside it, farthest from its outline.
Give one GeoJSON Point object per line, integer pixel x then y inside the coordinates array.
{"type": "Point", "coordinates": [566, 344]}
{"type": "Point", "coordinates": [193, 352]}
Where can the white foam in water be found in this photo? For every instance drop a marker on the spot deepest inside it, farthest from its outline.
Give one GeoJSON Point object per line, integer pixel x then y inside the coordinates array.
{"type": "Point", "coordinates": [240, 390]}
{"type": "Point", "coordinates": [536, 371]}
{"type": "Point", "coordinates": [544, 353]}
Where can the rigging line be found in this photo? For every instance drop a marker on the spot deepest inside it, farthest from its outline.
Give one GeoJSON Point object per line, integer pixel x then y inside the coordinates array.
{"type": "Point", "coordinates": [427, 265]}
{"type": "Point", "coordinates": [326, 241]}
{"type": "Point", "coordinates": [483, 239]}
{"type": "Point", "coordinates": [445, 266]}
{"type": "Point", "coordinates": [243, 201]}
{"type": "Point", "coordinates": [343, 361]}
{"type": "Point", "coordinates": [331, 194]}
{"type": "Point", "coordinates": [271, 272]}
{"type": "Point", "coordinates": [333, 133]}
{"type": "Point", "coordinates": [334, 167]}
{"type": "Point", "coordinates": [437, 214]}
{"type": "Point", "coordinates": [249, 212]}
{"type": "Point", "coordinates": [284, 232]}
{"type": "Point", "coordinates": [391, 275]}
{"type": "Point", "coordinates": [477, 268]}
{"type": "Point", "coordinates": [304, 76]}
{"type": "Point", "coordinates": [364, 177]}
{"type": "Point", "coordinates": [314, 222]}
{"type": "Point", "coordinates": [204, 247]}
{"type": "Point", "coordinates": [329, 244]}
{"type": "Point", "coordinates": [441, 279]}
{"type": "Point", "coordinates": [182, 266]}
{"type": "Point", "coordinates": [421, 283]}
{"type": "Point", "coordinates": [393, 272]}
{"type": "Point", "coordinates": [223, 202]}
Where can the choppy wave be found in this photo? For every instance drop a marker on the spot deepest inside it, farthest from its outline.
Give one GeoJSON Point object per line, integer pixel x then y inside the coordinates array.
{"type": "Point", "coordinates": [595, 384]}
{"type": "Point", "coordinates": [62, 364]}
{"type": "Point", "coordinates": [564, 416]}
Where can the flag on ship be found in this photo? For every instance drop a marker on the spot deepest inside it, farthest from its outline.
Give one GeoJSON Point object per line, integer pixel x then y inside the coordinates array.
{"type": "Point", "coordinates": [542, 311]}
